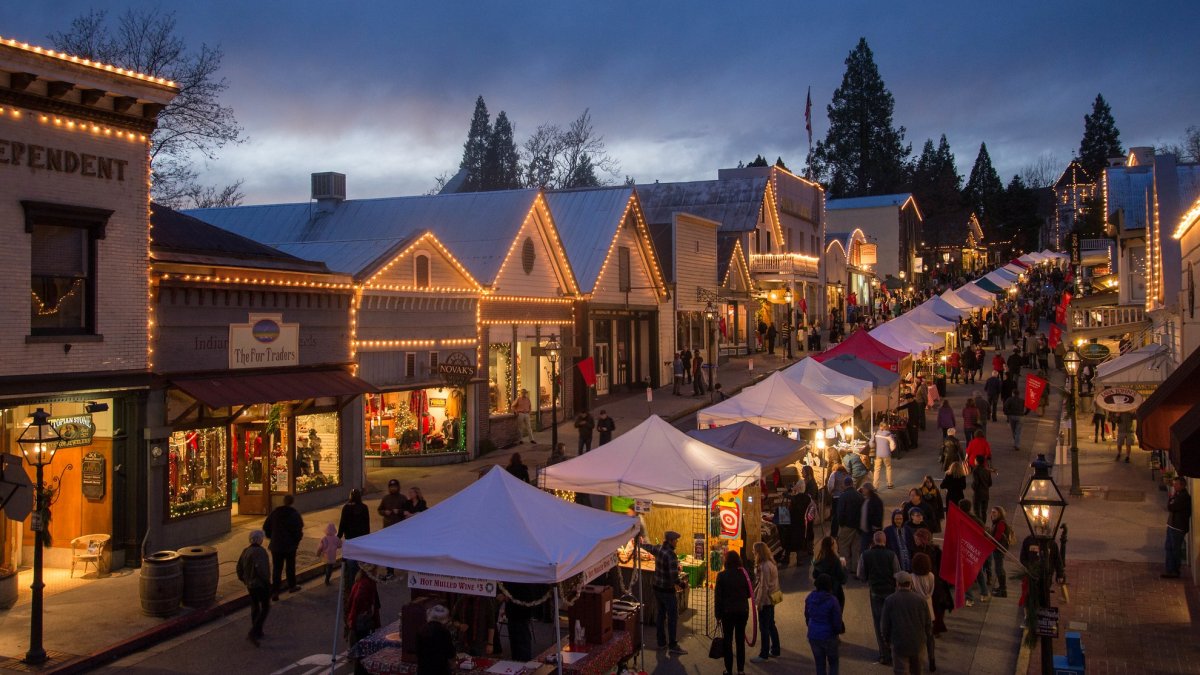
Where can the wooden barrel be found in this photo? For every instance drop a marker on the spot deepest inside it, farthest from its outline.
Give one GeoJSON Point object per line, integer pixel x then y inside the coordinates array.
{"type": "Point", "coordinates": [161, 583]}
{"type": "Point", "coordinates": [200, 575]}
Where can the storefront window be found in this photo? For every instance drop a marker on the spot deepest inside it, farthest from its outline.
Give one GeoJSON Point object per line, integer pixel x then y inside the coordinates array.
{"type": "Point", "coordinates": [500, 376]}
{"type": "Point", "coordinates": [261, 450]}
{"type": "Point", "coordinates": [197, 471]}
{"type": "Point", "coordinates": [318, 455]}
{"type": "Point", "coordinates": [416, 422]}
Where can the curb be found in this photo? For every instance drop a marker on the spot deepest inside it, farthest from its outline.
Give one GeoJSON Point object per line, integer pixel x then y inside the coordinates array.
{"type": "Point", "coordinates": [168, 629]}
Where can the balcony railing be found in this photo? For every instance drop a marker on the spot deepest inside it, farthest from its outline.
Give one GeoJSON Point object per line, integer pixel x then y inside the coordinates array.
{"type": "Point", "coordinates": [783, 263]}
{"type": "Point", "coordinates": [1083, 318]}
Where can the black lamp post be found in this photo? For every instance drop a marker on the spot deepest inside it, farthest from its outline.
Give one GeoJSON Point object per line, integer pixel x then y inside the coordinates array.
{"type": "Point", "coordinates": [38, 443]}
{"type": "Point", "coordinates": [1043, 506]}
{"type": "Point", "coordinates": [1071, 362]}
{"type": "Point", "coordinates": [552, 348]}
{"type": "Point", "coordinates": [787, 297]}
{"type": "Point", "coordinates": [710, 316]}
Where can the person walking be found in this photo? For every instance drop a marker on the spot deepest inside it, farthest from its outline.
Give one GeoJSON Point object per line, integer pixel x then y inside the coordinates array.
{"type": "Point", "coordinates": [981, 488]}
{"type": "Point", "coordinates": [1002, 534]}
{"type": "Point", "coordinates": [328, 549]}
{"type": "Point", "coordinates": [856, 467]}
{"type": "Point", "coordinates": [921, 397]}
{"type": "Point", "coordinates": [946, 419]}
{"type": "Point", "coordinates": [925, 585]}
{"type": "Point", "coordinates": [697, 374]}
{"type": "Point", "coordinates": [767, 575]}
{"type": "Point", "coordinates": [979, 451]}
{"type": "Point", "coordinates": [871, 518]}
{"type": "Point", "coordinates": [932, 496]}
{"type": "Point", "coordinates": [731, 605]}
{"type": "Point", "coordinates": [955, 484]}
{"type": "Point", "coordinates": [880, 566]}
{"type": "Point", "coordinates": [1098, 420]}
{"type": "Point", "coordinates": [355, 520]}
{"type": "Point", "coordinates": [970, 417]}
{"type": "Point", "coordinates": [968, 361]}
{"type": "Point", "coordinates": [605, 426]}
{"type": "Point", "coordinates": [898, 540]}
{"type": "Point", "coordinates": [1014, 411]}
{"type": "Point", "coordinates": [677, 371]}
{"type": "Point", "coordinates": [666, 580]}
{"type": "Point", "coordinates": [1125, 434]}
{"type": "Point", "coordinates": [1179, 513]}
{"type": "Point", "coordinates": [992, 388]}
{"type": "Point", "coordinates": [522, 407]}
{"type": "Point", "coordinates": [885, 445]}
{"type": "Point", "coordinates": [906, 624]}
{"type": "Point", "coordinates": [849, 518]}
{"type": "Point", "coordinates": [362, 611]}
{"type": "Point", "coordinates": [585, 424]}
{"type": "Point", "coordinates": [802, 527]}
{"type": "Point", "coordinates": [517, 468]}
{"type": "Point", "coordinates": [823, 616]}
{"type": "Point", "coordinates": [687, 365]}
{"type": "Point", "coordinates": [943, 600]}
{"type": "Point", "coordinates": [771, 334]}
{"type": "Point", "coordinates": [952, 451]}
{"type": "Point", "coordinates": [285, 528]}
{"type": "Point", "coordinates": [828, 562]}
{"type": "Point", "coordinates": [253, 570]}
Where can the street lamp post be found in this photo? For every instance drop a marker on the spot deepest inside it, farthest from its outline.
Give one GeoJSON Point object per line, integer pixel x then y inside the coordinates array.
{"type": "Point", "coordinates": [787, 298]}
{"type": "Point", "coordinates": [552, 349]}
{"type": "Point", "coordinates": [38, 444]}
{"type": "Point", "coordinates": [1071, 363]}
{"type": "Point", "coordinates": [710, 316]}
{"type": "Point", "coordinates": [1043, 506]}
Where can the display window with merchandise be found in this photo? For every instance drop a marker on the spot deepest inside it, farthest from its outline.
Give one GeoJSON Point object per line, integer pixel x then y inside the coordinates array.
{"type": "Point", "coordinates": [420, 421]}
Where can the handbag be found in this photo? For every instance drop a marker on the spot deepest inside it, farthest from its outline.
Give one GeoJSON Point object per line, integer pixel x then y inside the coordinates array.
{"type": "Point", "coordinates": [776, 597]}
{"type": "Point", "coordinates": [716, 650]}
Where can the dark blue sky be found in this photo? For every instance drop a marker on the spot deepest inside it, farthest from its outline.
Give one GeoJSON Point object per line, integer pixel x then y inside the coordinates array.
{"type": "Point", "coordinates": [383, 91]}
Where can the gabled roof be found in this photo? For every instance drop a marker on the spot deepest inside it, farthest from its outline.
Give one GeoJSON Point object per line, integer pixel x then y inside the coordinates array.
{"type": "Point", "coordinates": [729, 257]}
{"type": "Point", "coordinates": [663, 235]}
{"type": "Point", "coordinates": [734, 203]}
{"type": "Point", "coordinates": [178, 237]}
{"type": "Point", "coordinates": [479, 227]}
{"type": "Point", "coordinates": [872, 202]}
{"type": "Point", "coordinates": [1074, 174]}
{"type": "Point", "coordinates": [587, 221]}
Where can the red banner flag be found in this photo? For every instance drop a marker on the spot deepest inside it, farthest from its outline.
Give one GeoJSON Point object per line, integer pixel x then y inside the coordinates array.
{"type": "Point", "coordinates": [587, 368]}
{"type": "Point", "coordinates": [965, 549]}
{"type": "Point", "coordinates": [1035, 387]}
{"type": "Point", "coordinates": [1055, 335]}
{"type": "Point", "coordinates": [1060, 314]}
{"type": "Point", "coordinates": [1066, 299]}
{"type": "Point", "coordinates": [1070, 277]}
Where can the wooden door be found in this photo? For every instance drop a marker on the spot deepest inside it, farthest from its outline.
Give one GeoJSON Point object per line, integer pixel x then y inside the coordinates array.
{"type": "Point", "coordinates": [254, 477]}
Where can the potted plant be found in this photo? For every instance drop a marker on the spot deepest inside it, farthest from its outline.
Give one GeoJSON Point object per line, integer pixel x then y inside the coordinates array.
{"type": "Point", "coordinates": [8, 587]}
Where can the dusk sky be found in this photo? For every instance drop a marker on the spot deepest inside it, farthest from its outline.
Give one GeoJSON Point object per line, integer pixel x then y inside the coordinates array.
{"type": "Point", "coordinates": [383, 91]}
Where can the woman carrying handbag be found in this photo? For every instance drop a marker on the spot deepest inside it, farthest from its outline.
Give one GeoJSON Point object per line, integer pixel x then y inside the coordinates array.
{"type": "Point", "coordinates": [767, 594]}
{"type": "Point", "coordinates": [732, 606]}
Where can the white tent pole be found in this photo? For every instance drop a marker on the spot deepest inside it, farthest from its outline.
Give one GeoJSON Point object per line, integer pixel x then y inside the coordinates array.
{"type": "Point", "coordinates": [558, 631]}
{"type": "Point", "coordinates": [641, 627]}
{"type": "Point", "coordinates": [337, 621]}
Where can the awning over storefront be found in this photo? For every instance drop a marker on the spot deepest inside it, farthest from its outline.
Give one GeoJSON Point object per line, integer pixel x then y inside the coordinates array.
{"type": "Point", "coordinates": [1144, 365]}
{"type": "Point", "coordinates": [1159, 418]}
{"type": "Point", "coordinates": [259, 387]}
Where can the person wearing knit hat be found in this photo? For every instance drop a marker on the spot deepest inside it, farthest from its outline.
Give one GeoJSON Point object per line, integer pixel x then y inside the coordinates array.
{"type": "Point", "coordinates": [435, 644]}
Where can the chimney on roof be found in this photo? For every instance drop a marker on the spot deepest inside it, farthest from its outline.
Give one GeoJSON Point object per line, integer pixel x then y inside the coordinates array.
{"type": "Point", "coordinates": [329, 190]}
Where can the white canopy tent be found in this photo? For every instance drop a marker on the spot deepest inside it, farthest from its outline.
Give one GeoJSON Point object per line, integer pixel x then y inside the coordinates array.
{"type": "Point", "coordinates": [946, 309]}
{"type": "Point", "coordinates": [924, 317]}
{"type": "Point", "coordinates": [967, 302]}
{"type": "Point", "coordinates": [1144, 365]}
{"type": "Point", "coordinates": [654, 461]}
{"type": "Point", "coordinates": [1029, 258]}
{"type": "Point", "coordinates": [1013, 269]}
{"type": "Point", "coordinates": [811, 374]}
{"type": "Point", "coordinates": [776, 402]}
{"type": "Point", "coordinates": [1001, 280]}
{"type": "Point", "coordinates": [1006, 273]}
{"type": "Point", "coordinates": [976, 294]}
{"type": "Point", "coordinates": [905, 336]}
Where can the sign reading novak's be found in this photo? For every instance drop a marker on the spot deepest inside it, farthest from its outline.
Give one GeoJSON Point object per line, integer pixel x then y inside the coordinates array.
{"type": "Point", "coordinates": [264, 341]}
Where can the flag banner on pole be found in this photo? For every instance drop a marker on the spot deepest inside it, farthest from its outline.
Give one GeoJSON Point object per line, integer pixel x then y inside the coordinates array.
{"type": "Point", "coordinates": [965, 549]}
{"type": "Point", "coordinates": [1055, 335]}
{"type": "Point", "coordinates": [1060, 314]}
{"type": "Point", "coordinates": [1066, 299]}
{"type": "Point", "coordinates": [1035, 388]}
{"type": "Point", "coordinates": [587, 368]}
{"type": "Point", "coordinates": [808, 117]}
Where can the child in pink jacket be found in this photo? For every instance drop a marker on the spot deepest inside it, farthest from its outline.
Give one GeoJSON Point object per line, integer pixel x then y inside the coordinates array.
{"type": "Point", "coordinates": [328, 549]}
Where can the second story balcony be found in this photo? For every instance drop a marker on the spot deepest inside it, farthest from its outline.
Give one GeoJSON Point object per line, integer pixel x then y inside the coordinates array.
{"type": "Point", "coordinates": [783, 264]}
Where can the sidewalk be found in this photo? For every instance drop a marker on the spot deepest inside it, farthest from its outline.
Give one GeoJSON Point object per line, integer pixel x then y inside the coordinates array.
{"type": "Point", "coordinates": [102, 617]}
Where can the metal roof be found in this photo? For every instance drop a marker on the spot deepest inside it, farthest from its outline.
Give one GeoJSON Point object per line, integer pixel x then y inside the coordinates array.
{"type": "Point", "coordinates": [1126, 190]}
{"type": "Point", "coordinates": [177, 237]}
{"type": "Point", "coordinates": [587, 220]}
{"type": "Point", "coordinates": [477, 227]}
{"type": "Point", "coordinates": [734, 203]}
{"type": "Point", "coordinates": [872, 202]}
{"type": "Point", "coordinates": [663, 235]}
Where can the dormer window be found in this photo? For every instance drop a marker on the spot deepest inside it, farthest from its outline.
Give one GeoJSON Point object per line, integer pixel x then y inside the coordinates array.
{"type": "Point", "coordinates": [421, 270]}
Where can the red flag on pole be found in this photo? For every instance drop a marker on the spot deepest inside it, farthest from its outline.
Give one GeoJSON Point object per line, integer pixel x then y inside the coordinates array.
{"type": "Point", "coordinates": [1035, 387]}
{"type": "Point", "coordinates": [808, 117]}
{"type": "Point", "coordinates": [1066, 299]}
{"type": "Point", "coordinates": [804, 306]}
{"type": "Point", "coordinates": [1060, 314]}
{"type": "Point", "coordinates": [965, 549]}
{"type": "Point", "coordinates": [1055, 335]}
{"type": "Point", "coordinates": [587, 368]}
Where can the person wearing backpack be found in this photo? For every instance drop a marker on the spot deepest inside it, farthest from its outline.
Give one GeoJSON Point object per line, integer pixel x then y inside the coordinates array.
{"type": "Point", "coordinates": [1005, 539]}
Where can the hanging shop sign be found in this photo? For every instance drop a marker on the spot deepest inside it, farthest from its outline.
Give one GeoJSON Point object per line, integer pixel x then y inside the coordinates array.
{"type": "Point", "coordinates": [1094, 351]}
{"type": "Point", "coordinates": [451, 584]}
{"type": "Point", "coordinates": [264, 341]}
{"type": "Point", "coordinates": [1119, 399]}
{"type": "Point", "coordinates": [93, 476]}
{"type": "Point", "coordinates": [727, 516]}
{"type": "Point", "coordinates": [457, 370]}
{"type": "Point", "coordinates": [76, 430]}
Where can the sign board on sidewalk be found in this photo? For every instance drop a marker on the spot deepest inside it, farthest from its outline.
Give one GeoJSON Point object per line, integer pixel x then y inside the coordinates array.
{"type": "Point", "coordinates": [449, 584]}
{"type": "Point", "coordinates": [1047, 622]}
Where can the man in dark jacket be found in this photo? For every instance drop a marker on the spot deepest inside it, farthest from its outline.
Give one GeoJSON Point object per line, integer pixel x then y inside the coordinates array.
{"type": "Point", "coordinates": [870, 520]}
{"type": "Point", "coordinates": [605, 426]}
{"type": "Point", "coordinates": [1014, 410]}
{"type": "Point", "coordinates": [253, 570]}
{"type": "Point", "coordinates": [879, 566]}
{"type": "Point", "coordinates": [393, 505]}
{"type": "Point", "coordinates": [1014, 364]}
{"type": "Point", "coordinates": [584, 424]}
{"type": "Point", "coordinates": [1179, 512]}
{"type": "Point", "coordinates": [992, 388]}
{"type": "Point", "coordinates": [906, 625]}
{"type": "Point", "coordinates": [848, 516]}
{"type": "Point", "coordinates": [356, 519]}
{"type": "Point", "coordinates": [285, 528]}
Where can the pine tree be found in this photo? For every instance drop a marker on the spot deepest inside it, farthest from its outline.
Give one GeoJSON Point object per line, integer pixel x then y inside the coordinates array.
{"type": "Point", "coordinates": [475, 149]}
{"type": "Point", "coordinates": [984, 189]}
{"type": "Point", "coordinates": [936, 182]}
{"type": "Point", "coordinates": [1101, 139]}
{"type": "Point", "coordinates": [583, 174]}
{"type": "Point", "coordinates": [779, 163]}
{"type": "Point", "coordinates": [862, 153]}
{"type": "Point", "coordinates": [759, 160]}
{"type": "Point", "coordinates": [501, 170]}
{"type": "Point", "coordinates": [1017, 217]}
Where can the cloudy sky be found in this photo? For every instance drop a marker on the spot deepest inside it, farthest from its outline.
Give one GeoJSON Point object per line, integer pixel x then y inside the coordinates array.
{"type": "Point", "coordinates": [383, 90]}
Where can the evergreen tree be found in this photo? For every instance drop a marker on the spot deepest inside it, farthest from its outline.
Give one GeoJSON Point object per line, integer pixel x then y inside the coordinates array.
{"type": "Point", "coordinates": [501, 170]}
{"type": "Point", "coordinates": [936, 182]}
{"type": "Point", "coordinates": [984, 189]}
{"type": "Point", "coordinates": [1017, 217]}
{"type": "Point", "coordinates": [1101, 139]}
{"type": "Point", "coordinates": [862, 154]}
{"type": "Point", "coordinates": [779, 163]}
{"type": "Point", "coordinates": [475, 149]}
{"type": "Point", "coordinates": [759, 160]}
{"type": "Point", "coordinates": [583, 174]}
